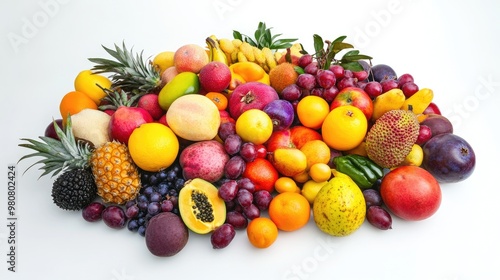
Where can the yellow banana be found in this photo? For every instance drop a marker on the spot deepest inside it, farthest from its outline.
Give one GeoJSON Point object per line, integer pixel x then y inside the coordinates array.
{"type": "Point", "coordinates": [418, 101]}
{"type": "Point", "coordinates": [215, 52]}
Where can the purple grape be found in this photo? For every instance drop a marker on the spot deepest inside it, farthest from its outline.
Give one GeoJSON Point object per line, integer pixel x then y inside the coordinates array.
{"type": "Point", "coordinates": [248, 151]}
{"type": "Point", "coordinates": [251, 212]}
{"type": "Point", "coordinates": [93, 212]}
{"type": "Point", "coordinates": [222, 236]}
{"type": "Point", "coordinates": [236, 219]}
{"type": "Point", "coordinates": [325, 78]}
{"type": "Point", "coordinates": [247, 184]}
{"type": "Point", "coordinates": [317, 91]}
{"type": "Point", "coordinates": [226, 129]}
{"type": "Point", "coordinates": [345, 82]}
{"type": "Point", "coordinates": [379, 217]}
{"type": "Point", "coordinates": [373, 89]}
{"type": "Point", "coordinates": [409, 89]}
{"type": "Point", "coordinates": [114, 217]}
{"type": "Point", "coordinates": [133, 225]}
{"type": "Point", "coordinates": [281, 113]}
{"type": "Point", "coordinates": [311, 68]}
{"type": "Point", "coordinates": [405, 78]}
{"type": "Point", "coordinates": [388, 85]}
{"type": "Point", "coordinates": [306, 81]}
{"type": "Point", "coordinates": [132, 211]}
{"type": "Point", "coordinates": [154, 208]}
{"type": "Point", "coordinates": [234, 167]}
{"type": "Point", "coordinates": [167, 206]}
{"type": "Point", "coordinates": [360, 75]}
{"type": "Point", "coordinates": [348, 74]}
{"type": "Point", "coordinates": [245, 198]}
{"type": "Point", "coordinates": [381, 72]}
{"type": "Point", "coordinates": [330, 93]}
{"type": "Point", "coordinates": [291, 93]}
{"type": "Point", "coordinates": [338, 71]}
{"type": "Point", "coordinates": [372, 198]}
{"type": "Point", "coordinates": [262, 199]}
{"type": "Point", "coordinates": [155, 197]}
{"type": "Point", "coordinates": [305, 60]}
{"type": "Point", "coordinates": [232, 144]}
{"type": "Point", "coordinates": [228, 190]}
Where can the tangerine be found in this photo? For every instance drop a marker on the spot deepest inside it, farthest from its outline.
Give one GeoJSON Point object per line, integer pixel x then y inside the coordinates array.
{"type": "Point", "coordinates": [219, 99]}
{"type": "Point", "coordinates": [290, 211]}
{"type": "Point", "coordinates": [254, 126]}
{"type": "Point", "coordinates": [286, 184]}
{"type": "Point", "coordinates": [262, 173]}
{"type": "Point", "coordinates": [75, 101]}
{"type": "Point", "coordinates": [312, 111]}
{"type": "Point", "coordinates": [262, 232]}
{"type": "Point", "coordinates": [344, 128]}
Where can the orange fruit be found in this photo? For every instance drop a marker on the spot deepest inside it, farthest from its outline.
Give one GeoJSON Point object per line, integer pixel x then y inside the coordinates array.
{"type": "Point", "coordinates": [301, 177]}
{"type": "Point", "coordinates": [262, 173]}
{"type": "Point", "coordinates": [90, 84]}
{"type": "Point", "coordinates": [153, 146]}
{"type": "Point", "coordinates": [320, 172]}
{"type": "Point", "coordinates": [344, 128]}
{"type": "Point", "coordinates": [262, 232]}
{"type": "Point", "coordinates": [254, 126]}
{"type": "Point", "coordinates": [316, 151]}
{"type": "Point", "coordinates": [220, 100]}
{"type": "Point", "coordinates": [286, 184]}
{"type": "Point", "coordinates": [75, 101]}
{"type": "Point", "coordinates": [290, 211]}
{"type": "Point", "coordinates": [282, 75]}
{"type": "Point", "coordinates": [312, 110]}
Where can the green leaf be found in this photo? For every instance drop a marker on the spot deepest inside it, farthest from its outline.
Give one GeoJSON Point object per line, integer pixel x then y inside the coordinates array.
{"type": "Point", "coordinates": [318, 43]}
{"type": "Point", "coordinates": [352, 65]}
{"type": "Point", "coordinates": [355, 57]}
{"type": "Point", "coordinates": [237, 35]}
{"type": "Point", "coordinates": [299, 69]}
{"type": "Point", "coordinates": [353, 52]}
{"type": "Point", "coordinates": [339, 46]}
{"type": "Point", "coordinates": [339, 39]}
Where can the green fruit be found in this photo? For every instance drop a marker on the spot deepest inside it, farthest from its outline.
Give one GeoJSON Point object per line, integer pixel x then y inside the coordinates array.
{"type": "Point", "coordinates": [339, 208]}
{"type": "Point", "coordinates": [182, 84]}
{"type": "Point", "coordinates": [201, 208]}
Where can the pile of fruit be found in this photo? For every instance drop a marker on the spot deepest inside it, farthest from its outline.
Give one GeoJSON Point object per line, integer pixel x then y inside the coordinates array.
{"type": "Point", "coordinates": [251, 134]}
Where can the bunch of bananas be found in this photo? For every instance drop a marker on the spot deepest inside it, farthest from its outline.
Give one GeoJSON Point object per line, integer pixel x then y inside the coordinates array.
{"type": "Point", "coordinates": [230, 51]}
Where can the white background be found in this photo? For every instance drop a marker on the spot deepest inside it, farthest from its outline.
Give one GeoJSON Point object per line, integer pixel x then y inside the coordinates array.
{"type": "Point", "coordinates": [450, 47]}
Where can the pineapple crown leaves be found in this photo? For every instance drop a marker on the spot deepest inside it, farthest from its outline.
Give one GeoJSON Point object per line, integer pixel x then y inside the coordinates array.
{"type": "Point", "coordinates": [58, 155]}
{"type": "Point", "coordinates": [129, 70]}
{"type": "Point", "coordinates": [326, 52]}
{"type": "Point", "coordinates": [263, 38]}
{"type": "Point", "coordinates": [116, 98]}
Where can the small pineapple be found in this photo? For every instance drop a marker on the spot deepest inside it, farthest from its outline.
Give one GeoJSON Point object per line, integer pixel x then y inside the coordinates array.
{"type": "Point", "coordinates": [115, 174]}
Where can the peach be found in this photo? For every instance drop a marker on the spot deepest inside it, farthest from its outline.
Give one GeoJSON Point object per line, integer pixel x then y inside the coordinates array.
{"type": "Point", "coordinates": [190, 58]}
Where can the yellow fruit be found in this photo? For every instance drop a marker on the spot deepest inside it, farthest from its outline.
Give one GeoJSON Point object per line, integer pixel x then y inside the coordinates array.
{"type": "Point", "coordinates": [344, 128]}
{"type": "Point", "coordinates": [320, 172]}
{"type": "Point", "coordinates": [87, 83]}
{"type": "Point", "coordinates": [311, 188]}
{"type": "Point", "coordinates": [286, 184]}
{"type": "Point", "coordinates": [415, 157]}
{"type": "Point", "coordinates": [254, 126]}
{"type": "Point", "coordinates": [163, 60]}
{"type": "Point", "coordinates": [153, 146]}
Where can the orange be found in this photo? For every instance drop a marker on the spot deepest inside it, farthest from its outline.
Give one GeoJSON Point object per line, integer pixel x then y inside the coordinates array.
{"type": "Point", "coordinates": [262, 232]}
{"type": "Point", "coordinates": [316, 151]}
{"type": "Point", "coordinates": [75, 101]}
{"type": "Point", "coordinates": [153, 146]}
{"type": "Point", "coordinates": [320, 172]}
{"type": "Point", "coordinates": [262, 173]}
{"type": "Point", "coordinates": [219, 99]}
{"type": "Point", "coordinates": [286, 184]}
{"type": "Point", "coordinates": [289, 211]}
{"type": "Point", "coordinates": [91, 84]}
{"type": "Point", "coordinates": [282, 75]}
{"type": "Point", "coordinates": [344, 128]}
{"type": "Point", "coordinates": [312, 110]}
{"type": "Point", "coordinates": [254, 126]}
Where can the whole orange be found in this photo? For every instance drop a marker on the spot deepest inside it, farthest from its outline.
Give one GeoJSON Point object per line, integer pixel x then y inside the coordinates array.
{"type": "Point", "coordinates": [262, 232]}
{"type": "Point", "coordinates": [344, 128]}
{"type": "Point", "coordinates": [75, 101]}
{"type": "Point", "coordinates": [290, 211]}
{"type": "Point", "coordinates": [262, 173]}
{"type": "Point", "coordinates": [312, 110]}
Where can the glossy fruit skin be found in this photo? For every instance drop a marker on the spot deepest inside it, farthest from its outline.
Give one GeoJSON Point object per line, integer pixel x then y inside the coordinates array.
{"type": "Point", "coordinates": [438, 124]}
{"type": "Point", "coordinates": [125, 120]}
{"type": "Point", "coordinates": [281, 113]}
{"type": "Point", "coordinates": [250, 95]}
{"type": "Point", "coordinates": [381, 72]}
{"type": "Point", "coordinates": [356, 97]}
{"type": "Point", "coordinates": [411, 193]}
{"type": "Point", "coordinates": [449, 158]}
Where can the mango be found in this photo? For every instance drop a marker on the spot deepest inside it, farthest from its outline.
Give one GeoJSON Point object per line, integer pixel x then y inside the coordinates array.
{"type": "Point", "coordinates": [182, 84]}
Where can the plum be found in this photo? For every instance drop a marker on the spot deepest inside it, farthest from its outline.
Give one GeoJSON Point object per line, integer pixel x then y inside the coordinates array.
{"type": "Point", "coordinates": [166, 234]}
{"type": "Point", "coordinates": [382, 72]}
{"type": "Point", "coordinates": [449, 158]}
{"type": "Point", "coordinates": [438, 124]}
{"type": "Point", "coordinates": [281, 113]}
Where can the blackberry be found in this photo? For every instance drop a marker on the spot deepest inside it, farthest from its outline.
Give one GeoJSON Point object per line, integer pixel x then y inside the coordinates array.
{"type": "Point", "coordinates": [74, 189]}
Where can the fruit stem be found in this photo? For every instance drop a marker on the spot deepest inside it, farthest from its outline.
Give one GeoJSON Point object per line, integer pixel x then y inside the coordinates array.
{"type": "Point", "coordinates": [248, 97]}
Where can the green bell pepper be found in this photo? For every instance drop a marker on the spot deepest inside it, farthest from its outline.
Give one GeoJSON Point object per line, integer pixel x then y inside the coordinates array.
{"type": "Point", "coordinates": [362, 170]}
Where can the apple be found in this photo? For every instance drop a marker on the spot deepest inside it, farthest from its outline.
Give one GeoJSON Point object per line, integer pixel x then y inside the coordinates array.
{"type": "Point", "coordinates": [125, 120]}
{"type": "Point", "coordinates": [356, 97]}
{"type": "Point", "coordinates": [250, 95]}
{"type": "Point", "coordinates": [432, 109]}
{"type": "Point", "coordinates": [411, 193]}
{"type": "Point", "coordinates": [294, 137]}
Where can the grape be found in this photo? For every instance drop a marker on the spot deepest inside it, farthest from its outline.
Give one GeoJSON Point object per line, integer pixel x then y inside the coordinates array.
{"type": "Point", "coordinates": [155, 197]}
{"type": "Point", "coordinates": [114, 217]}
{"type": "Point", "coordinates": [345, 82]}
{"type": "Point", "coordinates": [330, 93]}
{"type": "Point", "coordinates": [388, 85]}
{"type": "Point", "coordinates": [248, 151]}
{"type": "Point", "coordinates": [236, 219]}
{"type": "Point", "coordinates": [142, 198]}
{"type": "Point", "coordinates": [228, 190]}
{"type": "Point", "coordinates": [317, 91]}
{"type": "Point", "coordinates": [226, 129]}
{"type": "Point", "coordinates": [132, 211]}
{"type": "Point", "coordinates": [311, 68]}
{"type": "Point", "coordinates": [222, 236]}
{"type": "Point", "coordinates": [305, 60]}
{"type": "Point", "coordinates": [232, 144]}
{"type": "Point", "coordinates": [148, 191]}
{"type": "Point", "coordinates": [251, 212]}
{"type": "Point", "coordinates": [325, 78]}
{"type": "Point", "coordinates": [261, 151]}
{"type": "Point", "coordinates": [291, 92]}
{"type": "Point", "coordinates": [382, 72]}
{"type": "Point", "coordinates": [133, 225]}
{"type": "Point", "coordinates": [142, 230]}
{"type": "Point", "coordinates": [143, 205]}
{"type": "Point", "coordinates": [262, 199]}
{"type": "Point", "coordinates": [306, 81]}
{"type": "Point", "coordinates": [360, 75]}
{"type": "Point", "coordinates": [409, 89]}
{"type": "Point", "coordinates": [379, 217]}
{"type": "Point", "coordinates": [154, 208]}
{"type": "Point", "coordinates": [93, 212]}
{"type": "Point", "coordinates": [372, 198]}
{"type": "Point", "coordinates": [338, 71]}
{"type": "Point", "coordinates": [167, 206]}
{"type": "Point", "coordinates": [234, 167]}
{"type": "Point", "coordinates": [403, 79]}
{"type": "Point", "coordinates": [247, 184]}
{"type": "Point", "coordinates": [348, 74]}
{"type": "Point", "coordinates": [373, 89]}
{"type": "Point", "coordinates": [245, 198]}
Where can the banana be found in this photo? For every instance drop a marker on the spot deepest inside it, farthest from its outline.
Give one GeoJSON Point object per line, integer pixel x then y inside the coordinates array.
{"type": "Point", "coordinates": [215, 52]}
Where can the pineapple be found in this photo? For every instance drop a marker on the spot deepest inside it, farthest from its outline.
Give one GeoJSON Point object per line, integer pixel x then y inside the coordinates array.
{"type": "Point", "coordinates": [129, 71]}
{"type": "Point", "coordinates": [115, 174]}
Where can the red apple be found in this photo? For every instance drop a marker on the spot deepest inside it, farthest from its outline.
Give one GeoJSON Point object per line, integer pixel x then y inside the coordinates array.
{"type": "Point", "coordinates": [125, 120]}
{"type": "Point", "coordinates": [50, 130]}
{"type": "Point", "coordinates": [215, 76]}
{"type": "Point", "coordinates": [250, 95]}
{"type": "Point", "coordinates": [411, 193]}
{"type": "Point", "coordinates": [432, 109]}
{"type": "Point", "coordinates": [149, 102]}
{"type": "Point", "coordinates": [356, 97]}
{"type": "Point", "coordinates": [294, 137]}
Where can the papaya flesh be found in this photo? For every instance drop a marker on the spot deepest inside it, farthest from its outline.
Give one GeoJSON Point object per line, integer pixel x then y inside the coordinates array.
{"type": "Point", "coordinates": [200, 207]}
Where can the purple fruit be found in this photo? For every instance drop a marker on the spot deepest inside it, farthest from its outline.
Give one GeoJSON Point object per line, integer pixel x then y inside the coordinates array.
{"type": "Point", "coordinates": [222, 236]}
{"type": "Point", "coordinates": [424, 134]}
{"type": "Point", "coordinates": [281, 113]}
{"type": "Point", "coordinates": [372, 198]}
{"type": "Point", "coordinates": [50, 130]}
{"type": "Point", "coordinates": [234, 167]}
{"type": "Point", "coordinates": [449, 158]}
{"type": "Point", "coordinates": [381, 72]}
{"type": "Point", "coordinates": [262, 199]}
{"type": "Point", "coordinates": [93, 212]}
{"type": "Point", "coordinates": [379, 217]}
{"type": "Point", "coordinates": [251, 212]}
{"type": "Point", "coordinates": [438, 124]}
{"type": "Point", "coordinates": [114, 217]}
{"type": "Point", "coordinates": [236, 219]}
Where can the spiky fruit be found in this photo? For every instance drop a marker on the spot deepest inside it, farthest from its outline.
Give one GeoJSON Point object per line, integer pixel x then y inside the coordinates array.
{"type": "Point", "coordinates": [74, 189]}
{"type": "Point", "coordinates": [391, 137]}
{"type": "Point", "coordinates": [115, 173]}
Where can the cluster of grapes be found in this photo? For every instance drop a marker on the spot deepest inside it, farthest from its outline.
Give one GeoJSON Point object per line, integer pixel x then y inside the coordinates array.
{"type": "Point", "coordinates": [243, 201]}
{"type": "Point", "coordinates": [159, 193]}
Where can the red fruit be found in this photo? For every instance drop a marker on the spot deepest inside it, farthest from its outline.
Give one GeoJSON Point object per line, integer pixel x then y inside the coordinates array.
{"type": "Point", "coordinates": [250, 95]}
{"type": "Point", "coordinates": [215, 76]}
{"type": "Point", "coordinates": [424, 134]}
{"type": "Point", "coordinates": [50, 130]}
{"type": "Point", "coordinates": [125, 120]}
{"type": "Point", "coordinates": [149, 102]}
{"type": "Point", "coordinates": [432, 109]}
{"type": "Point", "coordinates": [411, 193]}
{"type": "Point", "coordinates": [356, 97]}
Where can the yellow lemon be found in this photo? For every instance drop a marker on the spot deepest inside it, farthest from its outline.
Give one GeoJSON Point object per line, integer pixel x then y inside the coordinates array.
{"type": "Point", "coordinates": [163, 60]}
{"type": "Point", "coordinates": [90, 84]}
{"type": "Point", "coordinates": [254, 126]}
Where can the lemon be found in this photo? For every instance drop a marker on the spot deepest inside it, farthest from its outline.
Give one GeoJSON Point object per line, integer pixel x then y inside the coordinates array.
{"type": "Point", "coordinates": [89, 83]}
{"type": "Point", "coordinates": [163, 60]}
{"type": "Point", "coordinates": [311, 188]}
